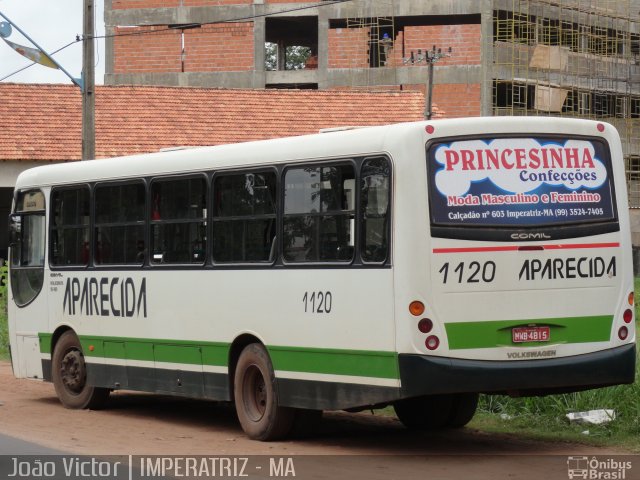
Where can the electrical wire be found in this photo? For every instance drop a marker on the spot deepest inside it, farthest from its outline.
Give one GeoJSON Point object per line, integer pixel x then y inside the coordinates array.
{"type": "Point", "coordinates": [189, 25]}
{"type": "Point", "coordinates": [229, 20]}
{"type": "Point", "coordinates": [34, 63]}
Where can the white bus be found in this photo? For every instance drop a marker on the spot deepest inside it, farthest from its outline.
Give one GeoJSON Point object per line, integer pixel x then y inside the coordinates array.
{"type": "Point", "coordinates": [414, 265]}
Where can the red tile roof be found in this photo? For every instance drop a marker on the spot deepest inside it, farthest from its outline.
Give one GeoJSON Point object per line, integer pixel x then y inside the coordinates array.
{"type": "Point", "coordinates": [43, 122]}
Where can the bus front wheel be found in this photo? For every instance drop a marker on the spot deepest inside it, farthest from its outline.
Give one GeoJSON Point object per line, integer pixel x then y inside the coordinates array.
{"type": "Point", "coordinates": [69, 374]}
{"type": "Point", "coordinates": [256, 396]}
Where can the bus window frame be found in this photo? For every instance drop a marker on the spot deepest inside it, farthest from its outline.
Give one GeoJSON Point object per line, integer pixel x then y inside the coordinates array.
{"type": "Point", "coordinates": [279, 169]}
{"type": "Point", "coordinates": [17, 268]}
{"type": "Point", "coordinates": [278, 214]}
{"type": "Point", "coordinates": [360, 216]}
{"type": "Point", "coordinates": [149, 222]}
{"type": "Point", "coordinates": [51, 228]}
{"type": "Point", "coordinates": [94, 223]}
{"type": "Point", "coordinates": [355, 163]}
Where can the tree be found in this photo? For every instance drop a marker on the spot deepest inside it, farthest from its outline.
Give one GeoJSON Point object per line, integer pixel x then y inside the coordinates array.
{"type": "Point", "coordinates": [297, 57]}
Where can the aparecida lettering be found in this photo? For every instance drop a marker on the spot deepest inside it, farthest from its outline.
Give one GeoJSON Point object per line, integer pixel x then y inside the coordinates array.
{"type": "Point", "coordinates": [105, 297]}
{"type": "Point", "coordinates": [569, 268]}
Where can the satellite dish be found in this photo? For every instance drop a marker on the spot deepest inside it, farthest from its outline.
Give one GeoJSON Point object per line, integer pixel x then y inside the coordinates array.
{"type": "Point", "coordinates": [5, 29]}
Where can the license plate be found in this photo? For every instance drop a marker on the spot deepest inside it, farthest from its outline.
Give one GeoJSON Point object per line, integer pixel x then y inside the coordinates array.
{"type": "Point", "coordinates": [530, 334]}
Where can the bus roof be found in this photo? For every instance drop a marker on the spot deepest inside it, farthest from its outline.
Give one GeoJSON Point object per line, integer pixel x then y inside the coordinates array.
{"type": "Point", "coordinates": [340, 143]}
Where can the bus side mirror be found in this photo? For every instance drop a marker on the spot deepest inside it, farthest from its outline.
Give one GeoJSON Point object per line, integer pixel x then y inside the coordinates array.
{"type": "Point", "coordinates": [15, 229]}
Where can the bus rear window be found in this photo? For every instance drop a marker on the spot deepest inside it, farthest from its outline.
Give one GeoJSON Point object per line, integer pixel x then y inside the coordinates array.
{"type": "Point", "coordinates": [520, 182]}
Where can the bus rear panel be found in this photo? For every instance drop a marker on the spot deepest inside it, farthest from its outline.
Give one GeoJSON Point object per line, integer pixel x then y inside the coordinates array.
{"type": "Point", "coordinates": [530, 287]}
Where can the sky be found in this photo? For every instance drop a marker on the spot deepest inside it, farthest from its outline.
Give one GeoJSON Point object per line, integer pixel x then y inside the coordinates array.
{"type": "Point", "coordinates": [52, 24]}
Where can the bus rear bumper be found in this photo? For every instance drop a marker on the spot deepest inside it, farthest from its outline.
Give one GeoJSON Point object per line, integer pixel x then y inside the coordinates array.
{"type": "Point", "coordinates": [427, 375]}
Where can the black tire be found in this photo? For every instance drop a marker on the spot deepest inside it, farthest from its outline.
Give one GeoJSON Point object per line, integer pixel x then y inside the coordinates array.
{"type": "Point", "coordinates": [306, 422]}
{"type": "Point", "coordinates": [463, 409]}
{"type": "Point", "coordinates": [256, 397]}
{"type": "Point", "coordinates": [424, 413]}
{"type": "Point", "coordinates": [69, 373]}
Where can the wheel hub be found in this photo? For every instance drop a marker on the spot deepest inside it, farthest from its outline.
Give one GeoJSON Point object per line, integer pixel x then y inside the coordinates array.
{"type": "Point", "coordinates": [72, 371]}
{"type": "Point", "coordinates": [256, 394]}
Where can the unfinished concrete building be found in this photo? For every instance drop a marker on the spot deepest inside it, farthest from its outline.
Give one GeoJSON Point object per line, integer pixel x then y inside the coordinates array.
{"type": "Point", "coordinates": [576, 58]}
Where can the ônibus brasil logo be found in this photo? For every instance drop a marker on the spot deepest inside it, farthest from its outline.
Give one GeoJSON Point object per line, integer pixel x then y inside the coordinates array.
{"type": "Point", "coordinates": [518, 165]}
{"type": "Point", "coordinates": [597, 469]}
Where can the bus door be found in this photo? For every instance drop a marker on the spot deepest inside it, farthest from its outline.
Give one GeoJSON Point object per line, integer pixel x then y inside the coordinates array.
{"type": "Point", "coordinates": [27, 306]}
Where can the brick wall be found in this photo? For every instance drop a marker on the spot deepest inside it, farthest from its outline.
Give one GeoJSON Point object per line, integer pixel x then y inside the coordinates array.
{"type": "Point", "coordinates": [151, 52]}
{"type": "Point", "coordinates": [219, 48]}
{"type": "Point", "coordinates": [455, 100]}
{"type": "Point", "coordinates": [348, 48]}
{"type": "Point", "coordinates": [458, 100]}
{"type": "Point", "coordinates": [465, 41]}
{"type": "Point", "coordinates": [450, 100]}
{"type": "Point", "coordinates": [126, 4]}
{"type": "Point", "coordinates": [214, 3]}
{"type": "Point", "coordinates": [224, 48]}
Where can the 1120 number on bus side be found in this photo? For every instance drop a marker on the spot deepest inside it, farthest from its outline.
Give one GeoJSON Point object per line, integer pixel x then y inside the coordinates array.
{"type": "Point", "coordinates": [473, 272]}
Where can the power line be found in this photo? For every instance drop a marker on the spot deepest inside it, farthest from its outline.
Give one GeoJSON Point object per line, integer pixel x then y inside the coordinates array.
{"type": "Point", "coordinates": [189, 25]}
{"type": "Point", "coordinates": [34, 63]}
{"type": "Point", "coordinates": [230, 20]}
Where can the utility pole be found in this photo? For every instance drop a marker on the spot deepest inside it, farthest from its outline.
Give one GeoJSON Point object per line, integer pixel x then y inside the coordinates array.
{"type": "Point", "coordinates": [89, 84]}
{"type": "Point", "coordinates": [432, 57]}
{"type": "Point", "coordinates": [429, 57]}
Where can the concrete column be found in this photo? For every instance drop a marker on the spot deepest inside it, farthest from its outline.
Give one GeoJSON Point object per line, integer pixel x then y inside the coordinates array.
{"type": "Point", "coordinates": [323, 48]}
{"type": "Point", "coordinates": [486, 58]}
{"type": "Point", "coordinates": [259, 37]}
{"type": "Point", "coordinates": [109, 63]}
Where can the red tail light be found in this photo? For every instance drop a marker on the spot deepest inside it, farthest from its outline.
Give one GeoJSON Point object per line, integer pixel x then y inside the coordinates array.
{"type": "Point", "coordinates": [432, 342]}
{"type": "Point", "coordinates": [623, 333]}
{"type": "Point", "coordinates": [425, 325]}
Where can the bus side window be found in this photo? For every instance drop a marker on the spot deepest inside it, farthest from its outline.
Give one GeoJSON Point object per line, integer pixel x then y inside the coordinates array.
{"type": "Point", "coordinates": [374, 208]}
{"type": "Point", "coordinates": [319, 213]}
{"type": "Point", "coordinates": [119, 224]}
{"type": "Point", "coordinates": [70, 227]}
{"type": "Point", "coordinates": [178, 220]}
{"type": "Point", "coordinates": [244, 228]}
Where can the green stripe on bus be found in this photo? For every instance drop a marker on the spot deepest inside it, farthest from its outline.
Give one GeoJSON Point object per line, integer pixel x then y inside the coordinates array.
{"type": "Point", "coordinates": [45, 342]}
{"type": "Point", "coordinates": [361, 363]}
{"type": "Point", "coordinates": [358, 363]}
{"type": "Point", "coordinates": [158, 350]}
{"type": "Point", "coordinates": [493, 334]}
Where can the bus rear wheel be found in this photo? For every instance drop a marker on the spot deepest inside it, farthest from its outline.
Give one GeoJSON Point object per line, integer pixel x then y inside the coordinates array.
{"type": "Point", "coordinates": [256, 397]}
{"type": "Point", "coordinates": [463, 409]}
{"type": "Point", "coordinates": [437, 411]}
{"type": "Point", "coordinates": [69, 374]}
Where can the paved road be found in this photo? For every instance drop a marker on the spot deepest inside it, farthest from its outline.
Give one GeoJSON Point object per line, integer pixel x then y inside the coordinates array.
{"type": "Point", "coordinates": [15, 446]}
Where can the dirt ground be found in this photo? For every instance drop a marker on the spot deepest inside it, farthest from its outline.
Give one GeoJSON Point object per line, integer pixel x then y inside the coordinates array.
{"type": "Point", "coordinates": [142, 424]}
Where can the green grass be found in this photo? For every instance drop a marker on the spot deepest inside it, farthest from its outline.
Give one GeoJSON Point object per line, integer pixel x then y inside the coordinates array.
{"type": "Point", "coordinates": [637, 297]}
{"type": "Point", "coordinates": [544, 417]}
